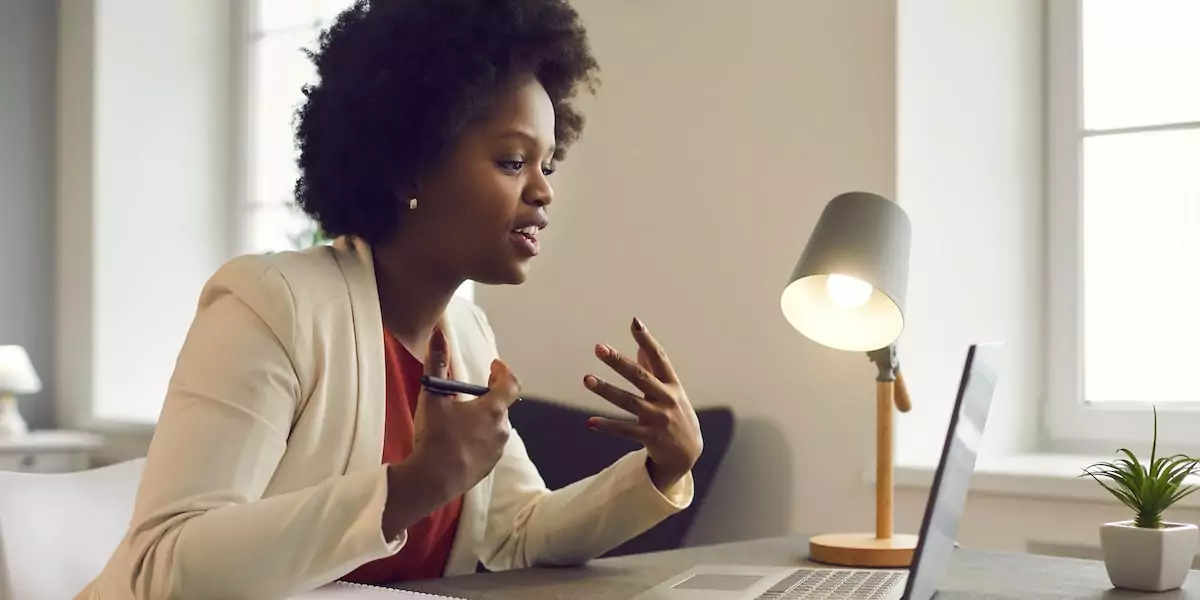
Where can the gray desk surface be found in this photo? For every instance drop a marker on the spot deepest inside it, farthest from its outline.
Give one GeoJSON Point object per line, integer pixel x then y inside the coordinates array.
{"type": "Point", "coordinates": [974, 574]}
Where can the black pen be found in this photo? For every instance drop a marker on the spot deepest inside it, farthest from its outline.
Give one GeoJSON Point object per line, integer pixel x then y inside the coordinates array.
{"type": "Point", "coordinates": [449, 386]}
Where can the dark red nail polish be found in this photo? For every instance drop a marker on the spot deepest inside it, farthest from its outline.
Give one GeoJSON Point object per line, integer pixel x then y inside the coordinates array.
{"type": "Point", "coordinates": [637, 325]}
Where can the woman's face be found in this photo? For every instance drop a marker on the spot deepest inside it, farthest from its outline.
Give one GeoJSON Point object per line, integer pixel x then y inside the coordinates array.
{"type": "Point", "coordinates": [479, 213]}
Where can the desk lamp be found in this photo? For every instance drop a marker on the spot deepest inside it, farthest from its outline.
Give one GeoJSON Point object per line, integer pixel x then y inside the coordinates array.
{"type": "Point", "coordinates": [16, 377]}
{"type": "Point", "coordinates": [847, 292]}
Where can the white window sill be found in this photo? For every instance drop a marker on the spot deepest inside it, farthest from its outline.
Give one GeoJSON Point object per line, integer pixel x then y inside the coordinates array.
{"type": "Point", "coordinates": [1043, 476]}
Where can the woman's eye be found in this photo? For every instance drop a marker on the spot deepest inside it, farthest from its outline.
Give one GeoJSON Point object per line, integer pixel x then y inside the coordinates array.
{"type": "Point", "coordinates": [513, 166]}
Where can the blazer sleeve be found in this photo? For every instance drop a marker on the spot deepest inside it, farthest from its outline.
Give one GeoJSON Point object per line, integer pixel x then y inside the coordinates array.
{"type": "Point", "coordinates": [529, 525]}
{"type": "Point", "coordinates": [201, 527]}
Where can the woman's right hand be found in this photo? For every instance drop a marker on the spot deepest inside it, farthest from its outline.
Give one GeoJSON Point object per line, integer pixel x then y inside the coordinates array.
{"type": "Point", "coordinates": [455, 443]}
{"type": "Point", "coordinates": [459, 442]}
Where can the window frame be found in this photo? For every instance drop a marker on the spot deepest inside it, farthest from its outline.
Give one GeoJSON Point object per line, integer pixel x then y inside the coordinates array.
{"type": "Point", "coordinates": [1071, 422]}
{"type": "Point", "coordinates": [241, 137]}
{"type": "Point", "coordinates": [249, 32]}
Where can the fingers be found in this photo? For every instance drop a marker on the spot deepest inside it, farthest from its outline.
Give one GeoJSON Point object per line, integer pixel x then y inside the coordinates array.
{"type": "Point", "coordinates": [644, 360]}
{"type": "Point", "coordinates": [631, 431]}
{"type": "Point", "coordinates": [655, 356]}
{"type": "Point", "coordinates": [620, 398]}
{"type": "Point", "coordinates": [505, 389]}
{"type": "Point", "coordinates": [638, 375]}
{"type": "Point", "coordinates": [437, 364]}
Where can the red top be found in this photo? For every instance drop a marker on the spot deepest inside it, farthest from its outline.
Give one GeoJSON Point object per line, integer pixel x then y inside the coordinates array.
{"type": "Point", "coordinates": [427, 550]}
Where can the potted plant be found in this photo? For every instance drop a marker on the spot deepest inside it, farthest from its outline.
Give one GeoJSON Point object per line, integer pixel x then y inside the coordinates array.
{"type": "Point", "coordinates": [1146, 553]}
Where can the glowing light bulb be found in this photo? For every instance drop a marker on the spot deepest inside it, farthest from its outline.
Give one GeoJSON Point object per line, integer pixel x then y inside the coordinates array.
{"type": "Point", "coordinates": [847, 291]}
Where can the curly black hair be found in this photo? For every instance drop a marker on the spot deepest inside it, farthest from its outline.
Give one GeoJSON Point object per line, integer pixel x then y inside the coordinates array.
{"type": "Point", "coordinates": [398, 79]}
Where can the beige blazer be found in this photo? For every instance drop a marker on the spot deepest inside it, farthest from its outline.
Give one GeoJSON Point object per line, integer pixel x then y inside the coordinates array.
{"type": "Point", "coordinates": [264, 479]}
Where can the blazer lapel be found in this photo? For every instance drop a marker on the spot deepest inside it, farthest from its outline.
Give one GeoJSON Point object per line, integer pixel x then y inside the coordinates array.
{"type": "Point", "coordinates": [354, 258]}
{"type": "Point", "coordinates": [472, 522]}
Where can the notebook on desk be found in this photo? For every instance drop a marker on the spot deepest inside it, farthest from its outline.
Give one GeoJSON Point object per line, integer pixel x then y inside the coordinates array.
{"type": "Point", "coordinates": [936, 543]}
{"type": "Point", "coordinates": [342, 590]}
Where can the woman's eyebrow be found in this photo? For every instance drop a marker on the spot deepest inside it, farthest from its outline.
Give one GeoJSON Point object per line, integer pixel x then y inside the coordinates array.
{"type": "Point", "coordinates": [524, 135]}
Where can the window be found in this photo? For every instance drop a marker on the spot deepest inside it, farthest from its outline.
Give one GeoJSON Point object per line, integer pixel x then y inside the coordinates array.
{"type": "Point", "coordinates": [279, 32]}
{"type": "Point", "coordinates": [1124, 197]}
{"type": "Point", "coordinates": [278, 69]}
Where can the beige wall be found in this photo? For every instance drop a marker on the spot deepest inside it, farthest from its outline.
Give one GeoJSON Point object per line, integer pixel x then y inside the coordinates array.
{"type": "Point", "coordinates": [720, 131]}
{"type": "Point", "coordinates": [711, 149]}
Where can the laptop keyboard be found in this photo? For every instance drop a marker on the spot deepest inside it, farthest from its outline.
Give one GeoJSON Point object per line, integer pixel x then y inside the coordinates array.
{"type": "Point", "coordinates": [833, 584]}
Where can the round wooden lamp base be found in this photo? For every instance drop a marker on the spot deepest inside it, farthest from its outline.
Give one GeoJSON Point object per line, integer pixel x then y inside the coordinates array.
{"type": "Point", "coordinates": [862, 550]}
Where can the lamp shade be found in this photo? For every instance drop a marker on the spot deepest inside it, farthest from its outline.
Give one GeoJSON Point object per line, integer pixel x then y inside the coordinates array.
{"type": "Point", "coordinates": [16, 372]}
{"type": "Point", "coordinates": [848, 288]}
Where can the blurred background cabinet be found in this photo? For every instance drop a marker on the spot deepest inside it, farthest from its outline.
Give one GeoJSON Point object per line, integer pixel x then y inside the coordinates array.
{"type": "Point", "coordinates": [48, 451]}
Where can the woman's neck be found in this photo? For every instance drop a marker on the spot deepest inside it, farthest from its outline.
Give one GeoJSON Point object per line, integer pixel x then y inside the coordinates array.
{"type": "Point", "coordinates": [412, 296]}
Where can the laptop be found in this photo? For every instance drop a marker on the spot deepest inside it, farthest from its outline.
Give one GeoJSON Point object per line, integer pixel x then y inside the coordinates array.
{"type": "Point", "coordinates": [935, 545]}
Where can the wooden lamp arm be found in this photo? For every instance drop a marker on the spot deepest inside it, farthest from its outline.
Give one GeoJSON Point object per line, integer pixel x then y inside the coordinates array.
{"type": "Point", "coordinates": [889, 371]}
{"type": "Point", "coordinates": [903, 403]}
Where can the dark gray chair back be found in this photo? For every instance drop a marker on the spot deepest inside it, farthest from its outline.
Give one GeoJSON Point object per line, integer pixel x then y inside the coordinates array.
{"type": "Point", "coordinates": [565, 451]}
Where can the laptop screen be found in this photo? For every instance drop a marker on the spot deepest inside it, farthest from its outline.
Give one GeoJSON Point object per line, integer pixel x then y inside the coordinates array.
{"type": "Point", "coordinates": [948, 495]}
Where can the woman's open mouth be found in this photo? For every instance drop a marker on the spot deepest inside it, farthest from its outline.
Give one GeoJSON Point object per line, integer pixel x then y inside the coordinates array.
{"type": "Point", "coordinates": [525, 239]}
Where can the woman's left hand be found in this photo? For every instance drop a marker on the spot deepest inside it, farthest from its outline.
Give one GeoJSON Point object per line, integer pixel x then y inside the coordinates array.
{"type": "Point", "coordinates": [666, 422]}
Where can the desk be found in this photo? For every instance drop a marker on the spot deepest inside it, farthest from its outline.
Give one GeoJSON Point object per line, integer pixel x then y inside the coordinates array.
{"type": "Point", "coordinates": [974, 574]}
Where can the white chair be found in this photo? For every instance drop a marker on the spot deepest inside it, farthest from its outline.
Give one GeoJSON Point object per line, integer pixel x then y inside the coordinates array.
{"type": "Point", "coordinates": [58, 530]}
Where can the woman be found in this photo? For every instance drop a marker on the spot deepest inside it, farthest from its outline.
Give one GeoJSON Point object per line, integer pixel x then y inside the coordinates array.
{"type": "Point", "coordinates": [296, 445]}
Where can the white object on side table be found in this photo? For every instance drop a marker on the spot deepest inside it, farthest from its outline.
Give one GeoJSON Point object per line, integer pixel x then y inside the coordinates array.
{"type": "Point", "coordinates": [16, 377]}
{"type": "Point", "coordinates": [48, 451]}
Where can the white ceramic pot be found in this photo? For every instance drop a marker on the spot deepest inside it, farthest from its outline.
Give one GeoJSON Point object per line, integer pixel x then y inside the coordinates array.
{"type": "Point", "coordinates": [1148, 560]}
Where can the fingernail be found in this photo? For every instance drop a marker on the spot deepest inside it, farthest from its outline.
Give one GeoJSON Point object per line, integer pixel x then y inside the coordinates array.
{"type": "Point", "coordinates": [637, 325]}
{"type": "Point", "coordinates": [437, 343]}
{"type": "Point", "coordinates": [437, 349]}
{"type": "Point", "coordinates": [591, 424]}
{"type": "Point", "coordinates": [590, 381]}
{"type": "Point", "coordinates": [601, 350]}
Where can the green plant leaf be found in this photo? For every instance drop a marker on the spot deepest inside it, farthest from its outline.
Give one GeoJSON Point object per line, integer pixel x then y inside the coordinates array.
{"type": "Point", "coordinates": [1149, 489]}
{"type": "Point", "coordinates": [1154, 443]}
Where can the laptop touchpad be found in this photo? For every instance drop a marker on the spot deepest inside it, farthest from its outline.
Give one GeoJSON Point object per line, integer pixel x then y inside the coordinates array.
{"type": "Point", "coordinates": [717, 582]}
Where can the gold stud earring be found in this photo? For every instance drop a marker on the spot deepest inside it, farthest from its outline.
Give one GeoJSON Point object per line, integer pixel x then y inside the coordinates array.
{"type": "Point", "coordinates": [412, 204]}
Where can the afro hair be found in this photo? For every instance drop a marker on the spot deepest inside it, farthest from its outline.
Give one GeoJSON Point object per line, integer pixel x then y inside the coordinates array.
{"type": "Point", "coordinates": [398, 79]}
